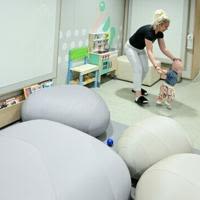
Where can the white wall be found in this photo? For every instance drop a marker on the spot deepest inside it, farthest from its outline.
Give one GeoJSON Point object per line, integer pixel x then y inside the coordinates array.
{"type": "Point", "coordinates": [28, 42]}
{"type": "Point", "coordinates": [23, 49]}
{"type": "Point", "coordinates": [142, 13]}
{"type": "Point", "coordinates": [181, 13]}
{"type": "Point", "coordinates": [30, 31]}
{"type": "Point", "coordinates": [78, 18]}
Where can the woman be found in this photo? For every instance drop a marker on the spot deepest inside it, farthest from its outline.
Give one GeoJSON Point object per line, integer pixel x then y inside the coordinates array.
{"type": "Point", "coordinates": [134, 49]}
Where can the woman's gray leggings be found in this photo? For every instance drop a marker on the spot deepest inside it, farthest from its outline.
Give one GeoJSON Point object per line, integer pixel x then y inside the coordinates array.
{"type": "Point", "coordinates": [139, 62]}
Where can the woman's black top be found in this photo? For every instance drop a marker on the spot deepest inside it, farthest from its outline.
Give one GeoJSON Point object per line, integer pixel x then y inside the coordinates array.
{"type": "Point", "coordinates": [137, 40]}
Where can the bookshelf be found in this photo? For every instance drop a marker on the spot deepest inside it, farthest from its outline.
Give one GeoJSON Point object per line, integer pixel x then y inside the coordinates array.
{"type": "Point", "coordinates": [10, 114]}
{"type": "Point", "coordinates": [33, 88]}
{"type": "Point", "coordinates": [10, 107]}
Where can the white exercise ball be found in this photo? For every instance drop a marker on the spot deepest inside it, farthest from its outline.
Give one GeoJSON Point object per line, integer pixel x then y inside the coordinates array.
{"type": "Point", "coordinates": [151, 140]}
{"type": "Point", "coordinates": [176, 177]}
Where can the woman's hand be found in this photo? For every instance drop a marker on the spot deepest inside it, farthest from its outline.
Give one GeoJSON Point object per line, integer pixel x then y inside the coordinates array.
{"type": "Point", "coordinates": [157, 66]}
{"type": "Point", "coordinates": [176, 59]}
{"type": "Point", "coordinates": [159, 70]}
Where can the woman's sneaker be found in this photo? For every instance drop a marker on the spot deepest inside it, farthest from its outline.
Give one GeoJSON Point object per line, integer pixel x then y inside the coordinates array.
{"type": "Point", "coordinates": [141, 100]}
{"type": "Point", "coordinates": [143, 92]}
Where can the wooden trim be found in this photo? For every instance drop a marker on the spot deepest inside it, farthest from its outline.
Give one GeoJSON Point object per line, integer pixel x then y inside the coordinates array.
{"type": "Point", "coordinates": [196, 47]}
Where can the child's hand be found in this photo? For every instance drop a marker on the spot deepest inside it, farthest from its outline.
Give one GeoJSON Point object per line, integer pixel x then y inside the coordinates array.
{"type": "Point", "coordinates": [161, 70]}
{"type": "Point", "coordinates": [164, 71]}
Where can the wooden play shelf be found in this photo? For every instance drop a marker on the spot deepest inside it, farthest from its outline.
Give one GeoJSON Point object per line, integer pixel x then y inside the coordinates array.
{"type": "Point", "coordinates": [10, 114]}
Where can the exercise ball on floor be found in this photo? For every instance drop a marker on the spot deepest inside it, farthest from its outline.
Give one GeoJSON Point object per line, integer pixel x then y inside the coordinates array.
{"type": "Point", "coordinates": [176, 177]}
{"type": "Point", "coordinates": [77, 166]}
{"type": "Point", "coordinates": [151, 140]}
{"type": "Point", "coordinates": [22, 171]}
{"type": "Point", "coordinates": [76, 106]}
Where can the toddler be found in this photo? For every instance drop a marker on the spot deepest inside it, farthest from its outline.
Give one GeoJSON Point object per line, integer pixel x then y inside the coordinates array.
{"type": "Point", "coordinates": [167, 90]}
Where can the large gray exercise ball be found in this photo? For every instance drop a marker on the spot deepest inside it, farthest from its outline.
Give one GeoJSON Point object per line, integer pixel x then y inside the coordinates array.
{"type": "Point", "coordinates": [76, 106]}
{"type": "Point", "coordinates": [60, 160]}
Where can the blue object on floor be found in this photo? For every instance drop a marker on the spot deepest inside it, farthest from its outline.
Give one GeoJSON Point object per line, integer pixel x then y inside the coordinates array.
{"type": "Point", "coordinates": [110, 142]}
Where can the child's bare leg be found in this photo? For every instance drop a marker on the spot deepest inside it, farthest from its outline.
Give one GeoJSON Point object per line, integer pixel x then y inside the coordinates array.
{"type": "Point", "coordinates": [170, 98]}
{"type": "Point", "coordinates": [168, 102]}
{"type": "Point", "coordinates": [160, 98]}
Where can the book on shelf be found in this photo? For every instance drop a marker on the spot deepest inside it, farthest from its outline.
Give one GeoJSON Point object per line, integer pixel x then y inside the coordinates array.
{"type": "Point", "coordinates": [26, 92]}
{"type": "Point", "coordinates": [3, 104]}
{"type": "Point", "coordinates": [29, 90]}
{"type": "Point", "coordinates": [11, 101]}
{"type": "Point", "coordinates": [35, 87]}
{"type": "Point", "coordinates": [46, 84]}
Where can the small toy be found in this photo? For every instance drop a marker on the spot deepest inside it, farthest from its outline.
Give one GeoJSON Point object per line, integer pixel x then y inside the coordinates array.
{"type": "Point", "coordinates": [110, 142]}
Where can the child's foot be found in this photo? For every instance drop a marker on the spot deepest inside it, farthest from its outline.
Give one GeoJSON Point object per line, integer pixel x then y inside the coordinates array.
{"type": "Point", "coordinates": [159, 101]}
{"type": "Point", "coordinates": [168, 105]}
{"type": "Point", "coordinates": [143, 92]}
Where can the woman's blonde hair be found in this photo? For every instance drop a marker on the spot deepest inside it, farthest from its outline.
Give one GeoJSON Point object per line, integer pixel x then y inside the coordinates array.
{"type": "Point", "coordinates": [160, 17]}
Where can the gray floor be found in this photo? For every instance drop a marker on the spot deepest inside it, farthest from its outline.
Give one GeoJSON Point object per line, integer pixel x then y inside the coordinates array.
{"type": "Point", "coordinates": [114, 131]}
{"type": "Point", "coordinates": [186, 110]}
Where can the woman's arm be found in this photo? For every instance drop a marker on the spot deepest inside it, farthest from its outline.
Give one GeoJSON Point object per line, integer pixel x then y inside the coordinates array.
{"type": "Point", "coordinates": [156, 64]}
{"type": "Point", "coordinates": [163, 48]}
{"type": "Point", "coordinates": [149, 48]}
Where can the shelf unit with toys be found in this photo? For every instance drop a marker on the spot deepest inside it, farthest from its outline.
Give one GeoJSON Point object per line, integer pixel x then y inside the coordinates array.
{"type": "Point", "coordinates": [10, 105]}
{"type": "Point", "coordinates": [98, 42]}
{"type": "Point", "coordinates": [100, 54]}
